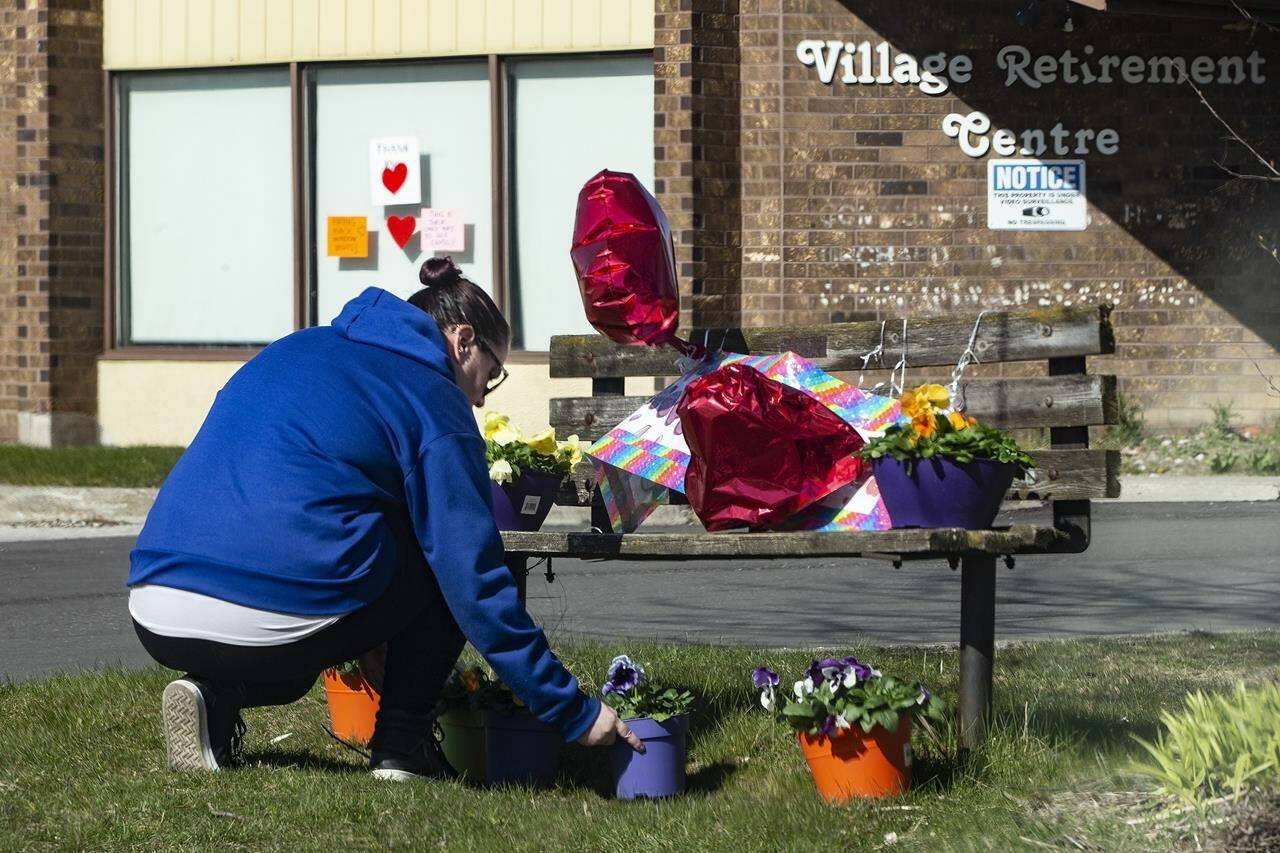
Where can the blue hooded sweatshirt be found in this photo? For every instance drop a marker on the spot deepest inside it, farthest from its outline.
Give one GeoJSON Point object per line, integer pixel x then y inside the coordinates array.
{"type": "Point", "coordinates": [285, 499]}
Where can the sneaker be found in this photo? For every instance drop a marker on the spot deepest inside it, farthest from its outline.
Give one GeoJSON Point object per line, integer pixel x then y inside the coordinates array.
{"type": "Point", "coordinates": [202, 726]}
{"type": "Point", "coordinates": [426, 761]}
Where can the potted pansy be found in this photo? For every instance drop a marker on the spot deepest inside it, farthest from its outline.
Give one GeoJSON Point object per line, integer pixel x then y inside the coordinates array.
{"type": "Point", "coordinates": [525, 473]}
{"type": "Point", "coordinates": [461, 723]}
{"type": "Point", "coordinates": [353, 702]}
{"type": "Point", "coordinates": [941, 468]}
{"type": "Point", "coordinates": [852, 722]}
{"type": "Point", "coordinates": [518, 748]}
{"type": "Point", "coordinates": [659, 716]}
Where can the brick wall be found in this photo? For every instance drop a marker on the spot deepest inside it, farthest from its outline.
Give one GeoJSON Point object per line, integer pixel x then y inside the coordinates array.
{"type": "Point", "coordinates": [51, 247]}
{"type": "Point", "coordinates": [855, 204]}
{"type": "Point", "coordinates": [697, 143]}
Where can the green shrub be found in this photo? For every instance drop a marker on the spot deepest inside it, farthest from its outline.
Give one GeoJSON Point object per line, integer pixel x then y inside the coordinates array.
{"type": "Point", "coordinates": [1222, 461]}
{"type": "Point", "coordinates": [1130, 427]}
{"type": "Point", "coordinates": [1223, 415]}
{"type": "Point", "coordinates": [1218, 746]}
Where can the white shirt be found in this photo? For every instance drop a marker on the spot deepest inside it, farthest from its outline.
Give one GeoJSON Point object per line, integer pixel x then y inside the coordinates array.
{"type": "Point", "coordinates": [178, 613]}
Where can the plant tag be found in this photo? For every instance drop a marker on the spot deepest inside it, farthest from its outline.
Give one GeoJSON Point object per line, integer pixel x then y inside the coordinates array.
{"type": "Point", "coordinates": [906, 754]}
{"type": "Point", "coordinates": [531, 504]}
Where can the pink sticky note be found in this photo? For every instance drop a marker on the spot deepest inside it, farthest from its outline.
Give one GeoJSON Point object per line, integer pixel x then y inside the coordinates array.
{"type": "Point", "coordinates": [443, 230]}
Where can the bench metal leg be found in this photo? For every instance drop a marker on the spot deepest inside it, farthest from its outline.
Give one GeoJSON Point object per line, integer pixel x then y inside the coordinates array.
{"type": "Point", "coordinates": [519, 566]}
{"type": "Point", "coordinates": [977, 646]}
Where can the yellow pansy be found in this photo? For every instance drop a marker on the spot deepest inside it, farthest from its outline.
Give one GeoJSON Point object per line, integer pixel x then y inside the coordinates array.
{"type": "Point", "coordinates": [544, 442]}
{"type": "Point", "coordinates": [959, 421]}
{"type": "Point", "coordinates": [571, 449]}
{"type": "Point", "coordinates": [935, 395]}
{"type": "Point", "coordinates": [501, 471]}
{"type": "Point", "coordinates": [499, 429]}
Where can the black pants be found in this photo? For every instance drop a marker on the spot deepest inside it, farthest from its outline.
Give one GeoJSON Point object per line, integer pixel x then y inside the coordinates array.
{"type": "Point", "coordinates": [411, 617]}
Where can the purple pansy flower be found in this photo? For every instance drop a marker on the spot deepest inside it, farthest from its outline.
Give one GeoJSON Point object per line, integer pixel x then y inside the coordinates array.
{"type": "Point", "coordinates": [860, 671]}
{"type": "Point", "coordinates": [763, 678]}
{"type": "Point", "coordinates": [828, 726]}
{"type": "Point", "coordinates": [623, 675]}
{"type": "Point", "coordinates": [827, 669]}
{"type": "Point", "coordinates": [925, 696]}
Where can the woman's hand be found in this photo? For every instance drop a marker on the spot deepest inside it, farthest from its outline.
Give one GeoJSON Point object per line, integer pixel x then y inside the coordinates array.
{"type": "Point", "coordinates": [607, 728]}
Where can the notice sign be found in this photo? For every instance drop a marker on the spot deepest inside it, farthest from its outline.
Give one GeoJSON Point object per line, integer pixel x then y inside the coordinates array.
{"type": "Point", "coordinates": [1036, 195]}
{"type": "Point", "coordinates": [443, 230]}
{"type": "Point", "coordinates": [348, 237]}
{"type": "Point", "coordinates": [395, 175]}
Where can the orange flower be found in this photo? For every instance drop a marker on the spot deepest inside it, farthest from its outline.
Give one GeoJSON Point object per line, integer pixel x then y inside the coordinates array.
{"type": "Point", "coordinates": [924, 424]}
{"type": "Point", "coordinates": [471, 680]}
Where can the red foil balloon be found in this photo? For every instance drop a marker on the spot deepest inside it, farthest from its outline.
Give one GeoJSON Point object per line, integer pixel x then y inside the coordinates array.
{"type": "Point", "coordinates": [761, 451]}
{"type": "Point", "coordinates": [623, 259]}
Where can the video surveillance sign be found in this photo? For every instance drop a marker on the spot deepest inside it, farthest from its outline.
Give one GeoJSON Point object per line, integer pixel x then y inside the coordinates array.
{"type": "Point", "coordinates": [1036, 195]}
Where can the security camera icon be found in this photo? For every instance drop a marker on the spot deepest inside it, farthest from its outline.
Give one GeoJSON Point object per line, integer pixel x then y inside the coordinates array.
{"type": "Point", "coordinates": [1035, 212]}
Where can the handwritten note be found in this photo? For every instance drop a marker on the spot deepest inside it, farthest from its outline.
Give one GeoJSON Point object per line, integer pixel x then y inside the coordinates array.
{"type": "Point", "coordinates": [395, 172]}
{"type": "Point", "coordinates": [443, 230]}
{"type": "Point", "coordinates": [348, 237]}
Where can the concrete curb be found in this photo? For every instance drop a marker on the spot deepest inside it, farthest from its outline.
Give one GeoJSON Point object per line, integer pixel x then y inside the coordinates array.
{"type": "Point", "coordinates": [43, 511]}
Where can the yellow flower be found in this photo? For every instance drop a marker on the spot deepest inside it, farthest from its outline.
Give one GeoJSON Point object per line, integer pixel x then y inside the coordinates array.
{"type": "Point", "coordinates": [926, 399]}
{"type": "Point", "coordinates": [501, 472]}
{"type": "Point", "coordinates": [935, 395]}
{"type": "Point", "coordinates": [924, 424]}
{"type": "Point", "coordinates": [571, 448]}
{"type": "Point", "coordinates": [499, 429]}
{"type": "Point", "coordinates": [544, 442]}
{"type": "Point", "coordinates": [959, 421]}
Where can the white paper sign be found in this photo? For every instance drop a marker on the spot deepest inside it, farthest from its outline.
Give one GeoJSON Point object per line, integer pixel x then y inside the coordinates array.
{"type": "Point", "coordinates": [443, 230]}
{"type": "Point", "coordinates": [1036, 195]}
{"type": "Point", "coordinates": [395, 174]}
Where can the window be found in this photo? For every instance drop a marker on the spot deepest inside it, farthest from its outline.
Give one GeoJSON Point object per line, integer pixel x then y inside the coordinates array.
{"type": "Point", "coordinates": [570, 119]}
{"type": "Point", "coordinates": [206, 208]}
{"type": "Point", "coordinates": [446, 107]}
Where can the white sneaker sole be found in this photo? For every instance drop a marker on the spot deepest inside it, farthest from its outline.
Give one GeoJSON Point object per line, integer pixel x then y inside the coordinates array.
{"type": "Point", "coordinates": [186, 728]}
{"type": "Point", "coordinates": [397, 775]}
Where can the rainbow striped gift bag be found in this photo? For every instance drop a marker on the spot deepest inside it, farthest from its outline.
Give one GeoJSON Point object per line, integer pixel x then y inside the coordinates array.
{"type": "Point", "coordinates": [645, 456]}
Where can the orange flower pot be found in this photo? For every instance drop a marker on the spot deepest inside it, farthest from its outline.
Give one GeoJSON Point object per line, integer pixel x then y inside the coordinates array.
{"type": "Point", "coordinates": [855, 763]}
{"type": "Point", "coordinates": [353, 706]}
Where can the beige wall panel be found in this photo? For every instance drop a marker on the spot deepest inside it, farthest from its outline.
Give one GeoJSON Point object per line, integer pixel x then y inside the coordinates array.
{"type": "Point", "coordinates": [387, 24]}
{"type": "Point", "coordinates": [415, 27]}
{"type": "Point", "coordinates": [280, 27]}
{"type": "Point", "coordinates": [148, 24]}
{"type": "Point", "coordinates": [500, 26]}
{"type": "Point", "coordinates": [306, 27]}
{"type": "Point", "coordinates": [586, 22]}
{"type": "Point", "coordinates": [641, 23]}
{"type": "Point", "coordinates": [528, 25]}
{"type": "Point", "coordinates": [157, 402]}
{"type": "Point", "coordinates": [117, 33]}
{"type": "Point", "coordinates": [226, 33]}
{"type": "Point", "coordinates": [471, 26]}
{"type": "Point", "coordinates": [557, 24]}
{"type": "Point", "coordinates": [359, 27]}
{"type": "Point", "coordinates": [443, 16]}
{"type": "Point", "coordinates": [141, 34]}
{"type": "Point", "coordinates": [173, 33]}
{"type": "Point", "coordinates": [253, 30]}
{"type": "Point", "coordinates": [200, 31]}
{"type": "Point", "coordinates": [333, 29]}
{"type": "Point", "coordinates": [164, 402]}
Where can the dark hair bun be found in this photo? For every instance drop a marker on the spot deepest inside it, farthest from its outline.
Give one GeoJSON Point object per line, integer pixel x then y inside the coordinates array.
{"type": "Point", "coordinates": [437, 272]}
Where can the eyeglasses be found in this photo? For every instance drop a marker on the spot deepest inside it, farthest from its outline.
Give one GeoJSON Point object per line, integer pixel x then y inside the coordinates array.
{"type": "Point", "coordinates": [494, 379]}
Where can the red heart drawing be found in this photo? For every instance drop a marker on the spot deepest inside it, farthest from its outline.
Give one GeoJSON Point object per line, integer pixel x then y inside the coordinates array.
{"type": "Point", "coordinates": [393, 179]}
{"type": "Point", "coordinates": [401, 228]}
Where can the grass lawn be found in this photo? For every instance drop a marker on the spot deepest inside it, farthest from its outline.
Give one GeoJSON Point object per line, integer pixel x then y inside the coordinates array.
{"type": "Point", "coordinates": [82, 765]}
{"type": "Point", "coordinates": [86, 466]}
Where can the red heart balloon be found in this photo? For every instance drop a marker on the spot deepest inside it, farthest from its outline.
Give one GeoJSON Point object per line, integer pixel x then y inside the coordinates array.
{"type": "Point", "coordinates": [393, 179]}
{"type": "Point", "coordinates": [401, 228]}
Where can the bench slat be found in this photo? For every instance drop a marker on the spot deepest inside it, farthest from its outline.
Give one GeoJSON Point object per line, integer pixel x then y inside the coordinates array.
{"type": "Point", "coordinates": [1024, 336]}
{"type": "Point", "coordinates": [1050, 401]}
{"type": "Point", "coordinates": [701, 546]}
{"type": "Point", "coordinates": [1060, 475]}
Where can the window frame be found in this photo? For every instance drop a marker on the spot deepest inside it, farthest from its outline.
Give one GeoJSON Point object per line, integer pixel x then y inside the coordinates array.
{"type": "Point", "coordinates": [302, 86]}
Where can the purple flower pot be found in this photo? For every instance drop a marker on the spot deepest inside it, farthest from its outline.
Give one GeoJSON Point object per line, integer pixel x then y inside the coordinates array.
{"type": "Point", "coordinates": [660, 771]}
{"type": "Point", "coordinates": [524, 503]}
{"type": "Point", "coordinates": [943, 493]}
{"type": "Point", "coordinates": [520, 750]}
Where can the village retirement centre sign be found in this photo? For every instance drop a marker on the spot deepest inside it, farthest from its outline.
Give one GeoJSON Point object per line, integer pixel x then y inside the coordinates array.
{"type": "Point", "coordinates": [1024, 194]}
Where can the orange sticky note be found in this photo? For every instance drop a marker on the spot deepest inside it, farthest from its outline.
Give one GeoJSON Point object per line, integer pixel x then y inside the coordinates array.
{"type": "Point", "coordinates": [348, 237]}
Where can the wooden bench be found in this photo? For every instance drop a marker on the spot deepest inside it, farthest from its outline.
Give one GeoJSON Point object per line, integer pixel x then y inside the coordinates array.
{"type": "Point", "coordinates": [1067, 401]}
